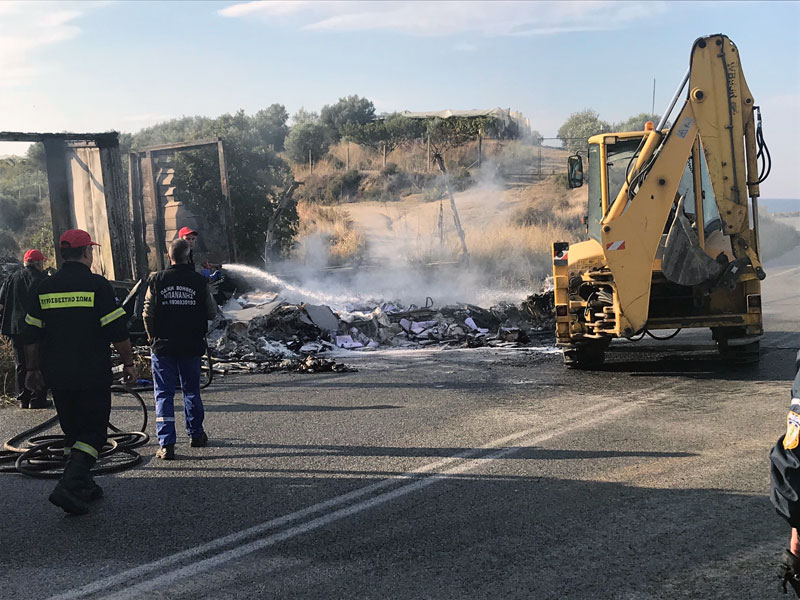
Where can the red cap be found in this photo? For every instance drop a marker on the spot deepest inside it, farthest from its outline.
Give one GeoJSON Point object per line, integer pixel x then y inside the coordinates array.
{"type": "Point", "coordinates": [186, 231]}
{"type": "Point", "coordinates": [76, 238]}
{"type": "Point", "coordinates": [33, 256]}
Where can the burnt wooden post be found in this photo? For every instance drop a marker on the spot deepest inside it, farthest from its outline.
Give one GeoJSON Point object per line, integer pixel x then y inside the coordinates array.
{"type": "Point", "coordinates": [118, 222]}
{"type": "Point", "coordinates": [480, 150]}
{"type": "Point", "coordinates": [456, 220]}
{"type": "Point", "coordinates": [228, 212]}
{"type": "Point", "coordinates": [158, 231]}
{"type": "Point", "coordinates": [55, 152]}
{"type": "Point", "coordinates": [137, 215]}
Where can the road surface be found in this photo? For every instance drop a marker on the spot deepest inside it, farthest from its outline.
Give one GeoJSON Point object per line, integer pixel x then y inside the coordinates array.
{"type": "Point", "coordinates": [443, 474]}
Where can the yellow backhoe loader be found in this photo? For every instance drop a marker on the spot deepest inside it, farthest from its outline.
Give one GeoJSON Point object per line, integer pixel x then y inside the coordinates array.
{"type": "Point", "coordinates": [672, 222]}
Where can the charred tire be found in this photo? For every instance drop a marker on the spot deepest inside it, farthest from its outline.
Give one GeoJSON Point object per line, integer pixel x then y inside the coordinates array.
{"type": "Point", "coordinates": [588, 356]}
{"type": "Point", "coordinates": [741, 354]}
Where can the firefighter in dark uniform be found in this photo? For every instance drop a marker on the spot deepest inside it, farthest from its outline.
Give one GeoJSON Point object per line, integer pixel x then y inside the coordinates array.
{"type": "Point", "coordinates": [14, 297]}
{"type": "Point", "coordinates": [785, 475]}
{"type": "Point", "coordinates": [72, 319]}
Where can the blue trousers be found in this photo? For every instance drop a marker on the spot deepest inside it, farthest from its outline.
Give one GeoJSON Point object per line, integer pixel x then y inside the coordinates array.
{"type": "Point", "coordinates": [167, 370]}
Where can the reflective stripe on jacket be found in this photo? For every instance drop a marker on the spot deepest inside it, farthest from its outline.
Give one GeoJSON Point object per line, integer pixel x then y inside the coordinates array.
{"type": "Point", "coordinates": [74, 317]}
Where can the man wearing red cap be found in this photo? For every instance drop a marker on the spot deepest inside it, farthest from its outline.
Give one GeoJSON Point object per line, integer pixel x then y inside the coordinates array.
{"type": "Point", "coordinates": [13, 302]}
{"type": "Point", "coordinates": [72, 319]}
{"type": "Point", "coordinates": [190, 235]}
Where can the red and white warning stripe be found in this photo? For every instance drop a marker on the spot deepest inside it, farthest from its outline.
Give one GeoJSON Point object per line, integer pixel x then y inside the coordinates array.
{"type": "Point", "coordinates": [619, 245]}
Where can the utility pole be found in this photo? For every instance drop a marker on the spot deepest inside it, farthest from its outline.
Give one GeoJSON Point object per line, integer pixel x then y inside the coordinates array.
{"type": "Point", "coordinates": [456, 220]}
{"type": "Point", "coordinates": [653, 109]}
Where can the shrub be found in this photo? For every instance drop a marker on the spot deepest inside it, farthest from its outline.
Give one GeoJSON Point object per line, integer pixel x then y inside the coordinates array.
{"type": "Point", "coordinates": [389, 169]}
{"type": "Point", "coordinates": [432, 194]}
{"type": "Point", "coordinates": [344, 185]}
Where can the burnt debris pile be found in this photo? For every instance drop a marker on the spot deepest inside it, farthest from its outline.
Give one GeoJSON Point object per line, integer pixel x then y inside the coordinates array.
{"type": "Point", "coordinates": [262, 332]}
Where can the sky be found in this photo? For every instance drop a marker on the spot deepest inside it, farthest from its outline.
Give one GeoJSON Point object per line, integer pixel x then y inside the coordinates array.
{"type": "Point", "coordinates": [99, 66]}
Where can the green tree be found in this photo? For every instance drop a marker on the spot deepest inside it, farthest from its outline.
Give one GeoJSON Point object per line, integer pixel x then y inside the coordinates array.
{"type": "Point", "coordinates": [185, 129]}
{"type": "Point", "coordinates": [351, 110]}
{"type": "Point", "coordinates": [257, 179]}
{"type": "Point", "coordinates": [304, 116]}
{"type": "Point", "coordinates": [636, 122]}
{"type": "Point", "coordinates": [394, 130]}
{"type": "Point", "coordinates": [35, 157]}
{"type": "Point", "coordinates": [270, 124]}
{"type": "Point", "coordinates": [307, 137]}
{"type": "Point", "coordinates": [456, 131]}
{"type": "Point", "coordinates": [42, 240]}
{"type": "Point", "coordinates": [579, 127]}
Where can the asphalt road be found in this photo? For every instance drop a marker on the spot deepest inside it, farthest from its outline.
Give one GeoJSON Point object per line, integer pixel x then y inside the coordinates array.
{"type": "Point", "coordinates": [442, 474]}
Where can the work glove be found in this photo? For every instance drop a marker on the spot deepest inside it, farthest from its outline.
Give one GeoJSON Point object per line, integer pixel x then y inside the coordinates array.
{"type": "Point", "coordinates": [789, 572]}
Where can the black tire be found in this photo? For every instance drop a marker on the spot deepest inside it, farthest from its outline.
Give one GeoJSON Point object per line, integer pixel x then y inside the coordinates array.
{"type": "Point", "coordinates": [206, 371]}
{"type": "Point", "coordinates": [586, 356]}
{"type": "Point", "coordinates": [740, 354]}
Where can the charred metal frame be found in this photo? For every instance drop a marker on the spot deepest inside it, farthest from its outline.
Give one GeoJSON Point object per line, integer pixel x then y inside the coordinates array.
{"type": "Point", "coordinates": [142, 181]}
{"type": "Point", "coordinates": [117, 256]}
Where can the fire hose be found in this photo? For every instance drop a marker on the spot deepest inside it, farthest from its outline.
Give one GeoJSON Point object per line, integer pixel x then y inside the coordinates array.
{"type": "Point", "coordinates": [43, 456]}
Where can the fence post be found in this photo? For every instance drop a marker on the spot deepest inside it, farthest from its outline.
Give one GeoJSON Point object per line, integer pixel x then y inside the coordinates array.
{"type": "Point", "coordinates": [428, 167]}
{"type": "Point", "coordinates": [540, 159]}
{"type": "Point", "coordinates": [384, 155]}
{"type": "Point", "coordinates": [480, 150]}
{"type": "Point", "coordinates": [310, 163]}
{"type": "Point", "coordinates": [347, 166]}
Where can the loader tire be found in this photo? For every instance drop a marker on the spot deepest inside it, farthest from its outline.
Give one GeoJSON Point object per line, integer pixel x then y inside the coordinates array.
{"type": "Point", "coordinates": [745, 354]}
{"type": "Point", "coordinates": [585, 356]}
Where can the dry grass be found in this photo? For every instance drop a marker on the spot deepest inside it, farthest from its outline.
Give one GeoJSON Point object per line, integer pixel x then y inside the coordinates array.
{"type": "Point", "coordinates": [333, 230]}
{"type": "Point", "coordinates": [508, 255]}
{"type": "Point", "coordinates": [516, 254]}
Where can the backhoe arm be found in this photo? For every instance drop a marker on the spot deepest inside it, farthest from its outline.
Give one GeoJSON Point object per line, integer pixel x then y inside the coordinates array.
{"type": "Point", "coordinates": [723, 107]}
{"type": "Point", "coordinates": [719, 109]}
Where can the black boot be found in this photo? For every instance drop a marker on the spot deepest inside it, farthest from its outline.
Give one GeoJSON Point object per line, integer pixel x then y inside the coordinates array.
{"type": "Point", "coordinates": [68, 494]}
{"type": "Point", "coordinates": [90, 490]}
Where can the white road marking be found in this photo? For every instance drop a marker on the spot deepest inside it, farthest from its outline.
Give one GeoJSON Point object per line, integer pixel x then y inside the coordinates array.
{"type": "Point", "coordinates": [469, 460]}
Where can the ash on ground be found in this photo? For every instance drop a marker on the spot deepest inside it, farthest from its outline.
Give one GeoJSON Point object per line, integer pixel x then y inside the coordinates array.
{"type": "Point", "coordinates": [260, 332]}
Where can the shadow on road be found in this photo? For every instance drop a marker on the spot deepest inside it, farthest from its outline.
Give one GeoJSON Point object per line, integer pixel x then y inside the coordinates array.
{"type": "Point", "coordinates": [244, 407]}
{"type": "Point", "coordinates": [470, 536]}
{"type": "Point", "coordinates": [299, 451]}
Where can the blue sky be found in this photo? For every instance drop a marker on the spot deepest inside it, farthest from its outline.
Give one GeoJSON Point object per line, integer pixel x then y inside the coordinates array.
{"type": "Point", "coordinates": [84, 66]}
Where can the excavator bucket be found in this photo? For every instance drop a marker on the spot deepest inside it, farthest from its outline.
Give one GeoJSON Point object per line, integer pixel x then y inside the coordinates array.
{"type": "Point", "coordinates": [684, 261]}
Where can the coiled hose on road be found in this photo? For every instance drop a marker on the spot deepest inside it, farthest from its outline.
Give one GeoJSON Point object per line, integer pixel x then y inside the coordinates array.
{"type": "Point", "coordinates": [43, 456]}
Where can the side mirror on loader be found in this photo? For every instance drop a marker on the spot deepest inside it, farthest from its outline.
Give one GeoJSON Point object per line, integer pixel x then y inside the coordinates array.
{"type": "Point", "coordinates": [574, 171]}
